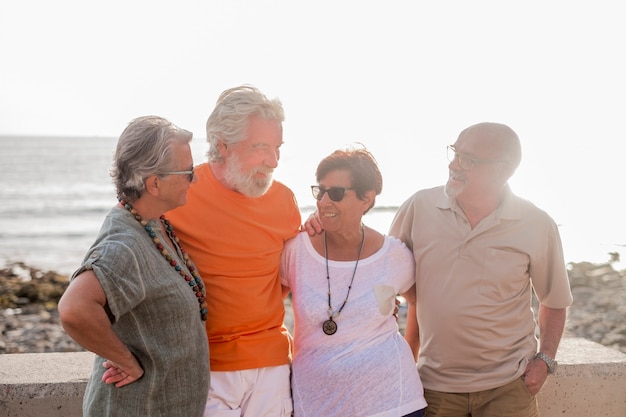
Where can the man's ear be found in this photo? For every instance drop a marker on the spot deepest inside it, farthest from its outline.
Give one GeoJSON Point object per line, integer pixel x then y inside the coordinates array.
{"type": "Point", "coordinates": [153, 185]}
{"type": "Point", "coordinates": [505, 171]}
{"type": "Point", "coordinates": [222, 147]}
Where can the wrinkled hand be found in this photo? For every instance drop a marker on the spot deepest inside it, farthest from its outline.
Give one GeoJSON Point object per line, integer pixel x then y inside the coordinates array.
{"type": "Point", "coordinates": [313, 225]}
{"type": "Point", "coordinates": [121, 375]}
{"type": "Point", "coordinates": [535, 375]}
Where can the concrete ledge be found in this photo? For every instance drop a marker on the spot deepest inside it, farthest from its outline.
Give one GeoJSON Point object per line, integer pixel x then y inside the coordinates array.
{"type": "Point", "coordinates": [591, 380]}
{"type": "Point", "coordinates": [43, 384]}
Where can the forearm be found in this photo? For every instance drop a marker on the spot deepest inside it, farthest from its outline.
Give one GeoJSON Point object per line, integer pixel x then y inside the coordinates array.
{"type": "Point", "coordinates": [82, 314]}
{"type": "Point", "coordinates": [95, 334]}
{"type": "Point", "coordinates": [411, 333]}
{"type": "Point", "coordinates": [551, 326]}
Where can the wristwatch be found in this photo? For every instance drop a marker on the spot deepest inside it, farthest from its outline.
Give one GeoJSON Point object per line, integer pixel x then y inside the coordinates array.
{"type": "Point", "coordinates": [552, 364]}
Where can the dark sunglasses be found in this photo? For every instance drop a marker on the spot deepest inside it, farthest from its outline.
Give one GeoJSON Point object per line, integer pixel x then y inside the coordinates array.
{"type": "Point", "coordinates": [336, 194]}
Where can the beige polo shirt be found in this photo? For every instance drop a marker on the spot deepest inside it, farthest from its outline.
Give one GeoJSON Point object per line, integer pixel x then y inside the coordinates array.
{"type": "Point", "coordinates": [477, 329]}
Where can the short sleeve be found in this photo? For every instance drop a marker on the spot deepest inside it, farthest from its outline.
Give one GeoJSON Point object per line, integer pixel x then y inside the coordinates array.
{"type": "Point", "coordinates": [117, 269]}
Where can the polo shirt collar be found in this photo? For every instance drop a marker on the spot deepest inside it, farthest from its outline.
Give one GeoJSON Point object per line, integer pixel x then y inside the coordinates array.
{"type": "Point", "coordinates": [509, 209]}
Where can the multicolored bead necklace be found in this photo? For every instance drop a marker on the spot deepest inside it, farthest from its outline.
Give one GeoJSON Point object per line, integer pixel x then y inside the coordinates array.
{"type": "Point", "coordinates": [194, 281]}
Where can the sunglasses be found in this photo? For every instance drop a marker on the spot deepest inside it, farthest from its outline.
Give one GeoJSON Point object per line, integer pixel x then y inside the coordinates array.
{"type": "Point", "coordinates": [336, 194]}
{"type": "Point", "coordinates": [189, 173]}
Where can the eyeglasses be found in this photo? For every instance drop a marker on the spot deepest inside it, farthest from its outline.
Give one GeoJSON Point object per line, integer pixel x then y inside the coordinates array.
{"type": "Point", "coordinates": [467, 162]}
{"type": "Point", "coordinates": [336, 194]}
{"type": "Point", "coordinates": [190, 173]}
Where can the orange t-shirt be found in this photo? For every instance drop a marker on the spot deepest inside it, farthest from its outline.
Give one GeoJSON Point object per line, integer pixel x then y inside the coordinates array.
{"type": "Point", "coordinates": [236, 242]}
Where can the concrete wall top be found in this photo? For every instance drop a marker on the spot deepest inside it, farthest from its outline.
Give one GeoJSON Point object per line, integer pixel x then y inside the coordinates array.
{"type": "Point", "coordinates": [41, 375]}
{"type": "Point", "coordinates": [590, 380]}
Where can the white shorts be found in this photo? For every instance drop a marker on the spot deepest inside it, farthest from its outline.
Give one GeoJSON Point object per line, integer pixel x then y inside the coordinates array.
{"type": "Point", "coordinates": [262, 392]}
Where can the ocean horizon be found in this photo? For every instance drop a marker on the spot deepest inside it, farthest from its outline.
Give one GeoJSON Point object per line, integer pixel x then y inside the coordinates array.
{"type": "Point", "coordinates": [55, 192]}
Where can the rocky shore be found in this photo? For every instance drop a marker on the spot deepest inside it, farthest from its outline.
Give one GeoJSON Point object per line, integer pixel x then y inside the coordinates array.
{"type": "Point", "coordinates": [29, 320]}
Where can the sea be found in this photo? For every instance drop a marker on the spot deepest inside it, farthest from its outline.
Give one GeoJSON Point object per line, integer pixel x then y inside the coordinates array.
{"type": "Point", "coordinates": [55, 192]}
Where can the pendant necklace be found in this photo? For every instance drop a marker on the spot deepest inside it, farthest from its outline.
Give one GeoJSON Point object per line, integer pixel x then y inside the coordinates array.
{"type": "Point", "coordinates": [193, 278]}
{"type": "Point", "coordinates": [330, 326]}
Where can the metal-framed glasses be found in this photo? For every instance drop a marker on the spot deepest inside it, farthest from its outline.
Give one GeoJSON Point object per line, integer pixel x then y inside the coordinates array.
{"type": "Point", "coordinates": [336, 194]}
{"type": "Point", "coordinates": [467, 162]}
{"type": "Point", "coordinates": [189, 173]}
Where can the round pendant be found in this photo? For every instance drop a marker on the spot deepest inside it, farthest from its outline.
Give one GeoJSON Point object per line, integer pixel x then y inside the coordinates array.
{"type": "Point", "coordinates": [329, 327]}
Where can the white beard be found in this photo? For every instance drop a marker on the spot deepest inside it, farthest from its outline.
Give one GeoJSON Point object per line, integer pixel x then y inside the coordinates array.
{"type": "Point", "coordinates": [452, 191]}
{"type": "Point", "coordinates": [244, 182]}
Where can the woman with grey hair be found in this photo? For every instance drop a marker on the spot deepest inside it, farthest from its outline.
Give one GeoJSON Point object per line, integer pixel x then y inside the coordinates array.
{"type": "Point", "coordinates": [137, 301]}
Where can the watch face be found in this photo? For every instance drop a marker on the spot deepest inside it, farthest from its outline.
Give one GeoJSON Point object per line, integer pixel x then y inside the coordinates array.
{"type": "Point", "coordinates": [551, 363]}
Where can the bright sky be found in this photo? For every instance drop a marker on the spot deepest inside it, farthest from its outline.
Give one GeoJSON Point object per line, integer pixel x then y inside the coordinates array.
{"type": "Point", "coordinates": [403, 77]}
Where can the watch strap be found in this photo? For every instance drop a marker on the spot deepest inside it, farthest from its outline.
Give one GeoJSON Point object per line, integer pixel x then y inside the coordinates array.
{"type": "Point", "coordinates": [551, 363]}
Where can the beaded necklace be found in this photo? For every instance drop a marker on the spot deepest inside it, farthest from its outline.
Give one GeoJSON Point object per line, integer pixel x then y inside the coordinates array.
{"type": "Point", "coordinates": [330, 326]}
{"type": "Point", "coordinates": [194, 281]}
